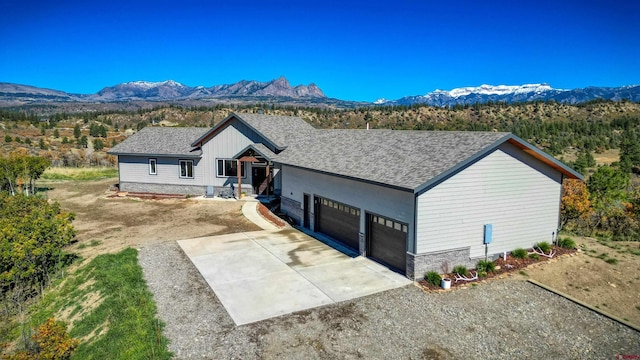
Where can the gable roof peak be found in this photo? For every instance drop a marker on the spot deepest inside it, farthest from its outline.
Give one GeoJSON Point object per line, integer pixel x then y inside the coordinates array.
{"type": "Point", "coordinates": [278, 130]}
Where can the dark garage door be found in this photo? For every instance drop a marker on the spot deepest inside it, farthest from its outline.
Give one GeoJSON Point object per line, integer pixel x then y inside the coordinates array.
{"type": "Point", "coordinates": [338, 220]}
{"type": "Point", "coordinates": [387, 241]}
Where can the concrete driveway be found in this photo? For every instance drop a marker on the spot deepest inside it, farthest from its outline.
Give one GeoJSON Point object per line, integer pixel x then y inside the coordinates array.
{"type": "Point", "coordinates": [263, 274]}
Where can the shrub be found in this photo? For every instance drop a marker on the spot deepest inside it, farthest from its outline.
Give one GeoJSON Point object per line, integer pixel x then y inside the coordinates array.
{"type": "Point", "coordinates": [519, 253]}
{"type": "Point", "coordinates": [460, 270]}
{"type": "Point", "coordinates": [52, 343]}
{"type": "Point", "coordinates": [544, 246]}
{"type": "Point", "coordinates": [534, 256]}
{"type": "Point", "coordinates": [433, 278]}
{"type": "Point", "coordinates": [486, 266]}
{"type": "Point", "coordinates": [567, 243]}
{"type": "Point", "coordinates": [611, 261]}
{"type": "Point", "coordinates": [53, 340]}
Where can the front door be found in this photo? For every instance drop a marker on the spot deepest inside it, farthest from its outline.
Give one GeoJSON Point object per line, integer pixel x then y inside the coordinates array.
{"type": "Point", "coordinates": [259, 179]}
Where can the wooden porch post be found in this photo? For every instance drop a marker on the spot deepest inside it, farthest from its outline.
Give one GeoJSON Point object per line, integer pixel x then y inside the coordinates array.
{"type": "Point", "coordinates": [238, 162]}
{"type": "Point", "coordinates": [268, 180]}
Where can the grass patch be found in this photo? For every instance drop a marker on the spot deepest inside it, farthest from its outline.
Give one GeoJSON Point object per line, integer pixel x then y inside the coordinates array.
{"type": "Point", "coordinates": [523, 273]}
{"type": "Point", "coordinates": [611, 261]}
{"type": "Point", "coordinates": [82, 174]}
{"type": "Point", "coordinates": [633, 252]}
{"type": "Point", "coordinates": [113, 313]}
{"type": "Point", "coordinates": [95, 242]}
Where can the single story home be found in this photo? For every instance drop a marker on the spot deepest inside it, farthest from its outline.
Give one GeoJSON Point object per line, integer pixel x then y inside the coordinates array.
{"type": "Point", "coordinates": [411, 200]}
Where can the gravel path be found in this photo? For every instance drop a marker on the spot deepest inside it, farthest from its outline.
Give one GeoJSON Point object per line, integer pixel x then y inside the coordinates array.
{"type": "Point", "coordinates": [501, 319]}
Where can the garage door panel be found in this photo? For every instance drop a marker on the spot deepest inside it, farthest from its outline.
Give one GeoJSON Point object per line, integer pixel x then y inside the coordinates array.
{"type": "Point", "coordinates": [388, 242]}
{"type": "Point", "coordinates": [340, 221]}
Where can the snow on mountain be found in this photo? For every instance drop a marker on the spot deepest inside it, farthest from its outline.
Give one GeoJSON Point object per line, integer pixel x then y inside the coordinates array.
{"type": "Point", "coordinates": [482, 93]}
{"type": "Point", "coordinates": [149, 85]}
{"type": "Point", "coordinates": [500, 90]}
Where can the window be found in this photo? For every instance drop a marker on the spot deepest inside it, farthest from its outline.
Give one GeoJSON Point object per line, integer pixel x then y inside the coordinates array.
{"type": "Point", "coordinates": [229, 168]}
{"type": "Point", "coordinates": [389, 223]}
{"type": "Point", "coordinates": [153, 170]}
{"type": "Point", "coordinates": [186, 169]}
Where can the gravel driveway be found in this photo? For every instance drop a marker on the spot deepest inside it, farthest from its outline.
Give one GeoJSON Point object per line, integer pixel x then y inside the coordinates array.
{"type": "Point", "coordinates": [500, 319]}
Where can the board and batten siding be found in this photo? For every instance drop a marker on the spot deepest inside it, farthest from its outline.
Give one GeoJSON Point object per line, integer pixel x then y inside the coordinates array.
{"type": "Point", "coordinates": [507, 188]}
{"type": "Point", "coordinates": [377, 199]}
{"type": "Point", "coordinates": [135, 169]}
{"type": "Point", "coordinates": [229, 140]}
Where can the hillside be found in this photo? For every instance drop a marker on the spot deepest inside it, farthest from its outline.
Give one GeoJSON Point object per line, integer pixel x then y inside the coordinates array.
{"type": "Point", "coordinates": [555, 127]}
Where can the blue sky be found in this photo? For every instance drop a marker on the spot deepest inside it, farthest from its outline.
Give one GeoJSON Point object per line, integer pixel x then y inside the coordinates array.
{"type": "Point", "coordinates": [353, 50]}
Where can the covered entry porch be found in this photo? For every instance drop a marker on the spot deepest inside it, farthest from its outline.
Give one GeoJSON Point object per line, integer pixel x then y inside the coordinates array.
{"type": "Point", "coordinates": [261, 181]}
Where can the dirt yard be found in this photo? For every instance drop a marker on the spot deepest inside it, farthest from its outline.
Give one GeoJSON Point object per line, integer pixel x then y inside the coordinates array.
{"type": "Point", "coordinates": [602, 274]}
{"type": "Point", "coordinates": [108, 225]}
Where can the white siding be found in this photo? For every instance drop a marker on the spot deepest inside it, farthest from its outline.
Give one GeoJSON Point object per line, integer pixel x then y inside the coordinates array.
{"type": "Point", "coordinates": [136, 169]}
{"type": "Point", "coordinates": [372, 198]}
{"type": "Point", "coordinates": [224, 145]}
{"type": "Point", "coordinates": [517, 194]}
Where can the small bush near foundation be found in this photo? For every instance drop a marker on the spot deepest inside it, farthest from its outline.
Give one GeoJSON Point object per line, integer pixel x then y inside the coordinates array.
{"type": "Point", "coordinates": [519, 253]}
{"type": "Point", "coordinates": [544, 246]}
{"type": "Point", "coordinates": [567, 243]}
{"type": "Point", "coordinates": [461, 270]}
{"type": "Point", "coordinates": [534, 256]}
{"type": "Point", "coordinates": [433, 278]}
{"type": "Point", "coordinates": [486, 266]}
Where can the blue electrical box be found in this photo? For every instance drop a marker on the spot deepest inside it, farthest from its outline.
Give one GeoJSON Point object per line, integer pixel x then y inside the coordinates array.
{"type": "Point", "coordinates": [488, 233]}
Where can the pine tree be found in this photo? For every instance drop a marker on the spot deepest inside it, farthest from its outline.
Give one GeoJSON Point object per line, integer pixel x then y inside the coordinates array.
{"type": "Point", "coordinates": [76, 131]}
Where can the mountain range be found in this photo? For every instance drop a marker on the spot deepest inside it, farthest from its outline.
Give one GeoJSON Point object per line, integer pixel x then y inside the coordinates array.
{"type": "Point", "coordinates": [280, 91]}
{"type": "Point", "coordinates": [519, 93]}
{"type": "Point", "coordinates": [163, 91]}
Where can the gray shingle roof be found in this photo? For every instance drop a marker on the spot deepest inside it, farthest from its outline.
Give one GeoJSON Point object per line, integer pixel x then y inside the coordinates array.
{"type": "Point", "coordinates": [161, 141]}
{"type": "Point", "coordinates": [403, 159]}
{"type": "Point", "coordinates": [279, 130]}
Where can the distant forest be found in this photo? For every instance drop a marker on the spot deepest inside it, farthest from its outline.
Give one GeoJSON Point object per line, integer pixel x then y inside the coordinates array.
{"type": "Point", "coordinates": [587, 128]}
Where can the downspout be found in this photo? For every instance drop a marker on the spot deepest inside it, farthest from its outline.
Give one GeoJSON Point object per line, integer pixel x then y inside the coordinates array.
{"type": "Point", "coordinates": [119, 175]}
{"type": "Point", "coordinates": [559, 210]}
{"type": "Point", "coordinates": [415, 223]}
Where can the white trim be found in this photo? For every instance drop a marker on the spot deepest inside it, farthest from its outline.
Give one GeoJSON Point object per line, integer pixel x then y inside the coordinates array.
{"type": "Point", "coordinates": [243, 169]}
{"type": "Point", "coordinates": [180, 162]}
{"type": "Point", "coordinates": [153, 170]}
